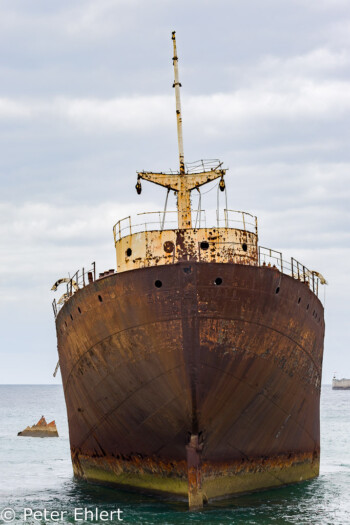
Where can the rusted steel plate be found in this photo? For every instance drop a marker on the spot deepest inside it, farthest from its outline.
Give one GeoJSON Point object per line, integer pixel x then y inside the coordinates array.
{"type": "Point", "coordinates": [212, 351]}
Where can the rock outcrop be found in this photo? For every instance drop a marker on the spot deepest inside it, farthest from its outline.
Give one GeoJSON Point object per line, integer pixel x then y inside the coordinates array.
{"type": "Point", "coordinates": [41, 429]}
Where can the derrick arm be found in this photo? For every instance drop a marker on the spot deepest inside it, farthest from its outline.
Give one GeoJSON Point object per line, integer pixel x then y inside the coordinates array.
{"type": "Point", "coordinates": [162, 179]}
{"type": "Point", "coordinates": [173, 182]}
{"type": "Point", "coordinates": [183, 184]}
{"type": "Point", "coordinates": [199, 179]}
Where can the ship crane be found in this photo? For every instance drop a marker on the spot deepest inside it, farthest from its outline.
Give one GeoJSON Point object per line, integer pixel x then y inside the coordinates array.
{"type": "Point", "coordinates": [182, 183]}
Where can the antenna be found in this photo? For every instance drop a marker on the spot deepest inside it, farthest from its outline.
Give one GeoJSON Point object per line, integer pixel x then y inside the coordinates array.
{"type": "Point", "coordinates": [177, 86]}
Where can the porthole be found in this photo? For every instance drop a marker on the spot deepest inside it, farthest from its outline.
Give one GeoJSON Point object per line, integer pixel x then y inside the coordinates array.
{"type": "Point", "coordinates": [71, 317]}
{"type": "Point", "coordinates": [100, 299]}
{"type": "Point", "coordinates": [65, 323]}
{"type": "Point", "coordinates": [204, 245]}
{"type": "Point", "coordinates": [79, 309]}
{"type": "Point", "coordinates": [299, 300]}
{"type": "Point", "coordinates": [218, 281]}
{"type": "Point", "coordinates": [308, 306]}
{"type": "Point", "coordinates": [158, 284]}
{"type": "Point", "coordinates": [278, 289]}
{"type": "Point", "coordinates": [128, 252]}
{"type": "Point", "coordinates": [168, 246]}
{"type": "Point", "coordinates": [244, 247]}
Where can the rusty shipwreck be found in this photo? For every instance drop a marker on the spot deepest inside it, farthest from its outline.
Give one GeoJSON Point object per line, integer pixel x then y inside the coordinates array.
{"type": "Point", "coordinates": [195, 368]}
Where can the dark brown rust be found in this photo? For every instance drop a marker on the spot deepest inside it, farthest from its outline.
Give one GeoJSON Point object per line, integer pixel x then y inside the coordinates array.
{"type": "Point", "coordinates": [215, 352]}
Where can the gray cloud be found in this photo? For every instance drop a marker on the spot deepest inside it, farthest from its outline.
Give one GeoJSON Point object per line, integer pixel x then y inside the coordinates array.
{"type": "Point", "coordinates": [86, 100]}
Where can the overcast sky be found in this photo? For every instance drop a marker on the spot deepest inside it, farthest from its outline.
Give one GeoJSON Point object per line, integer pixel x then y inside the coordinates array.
{"type": "Point", "coordinates": [86, 100]}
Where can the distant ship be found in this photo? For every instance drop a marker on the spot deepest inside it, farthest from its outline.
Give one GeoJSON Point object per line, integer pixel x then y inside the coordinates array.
{"type": "Point", "coordinates": [194, 369]}
{"type": "Point", "coordinates": [340, 384]}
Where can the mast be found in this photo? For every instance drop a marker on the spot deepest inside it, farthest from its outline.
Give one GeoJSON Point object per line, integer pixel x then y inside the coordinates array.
{"type": "Point", "coordinates": [183, 196]}
{"type": "Point", "coordinates": [177, 86]}
{"type": "Point", "coordinates": [182, 183]}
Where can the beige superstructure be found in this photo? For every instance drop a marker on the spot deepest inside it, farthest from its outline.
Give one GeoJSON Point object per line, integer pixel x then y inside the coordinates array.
{"type": "Point", "coordinates": [154, 246]}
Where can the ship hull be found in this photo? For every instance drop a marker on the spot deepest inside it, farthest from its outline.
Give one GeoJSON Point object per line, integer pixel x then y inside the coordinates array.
{"type": "Point", "coordinates": [205, 385]}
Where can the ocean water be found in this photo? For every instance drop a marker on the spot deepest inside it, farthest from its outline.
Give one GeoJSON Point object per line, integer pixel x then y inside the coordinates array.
{"type": "Point", "coordinates": [36, 474]}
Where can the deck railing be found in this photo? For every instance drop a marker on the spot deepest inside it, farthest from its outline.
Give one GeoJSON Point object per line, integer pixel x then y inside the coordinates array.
{"type": "Point", "coordinates": [160, 220]}
{"type": "Point", "coordinates": [201, 166]}
{"type": "Point", "coordinates": [240, 220]}
{"type": "Point", "coordinates": [153, 221]}
{"type": "Point", "coordinates": [79, 280]}
{"type": "Point", "coordinates": [292, 267]}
